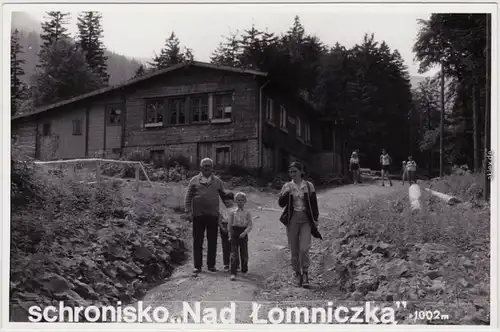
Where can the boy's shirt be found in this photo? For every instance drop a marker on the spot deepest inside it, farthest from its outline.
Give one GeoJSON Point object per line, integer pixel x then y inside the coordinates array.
{"type": "Point", "coordinates": [385, 159]}
{"type": "Point", "coordinates": [411, 165]}
{"type": "Point", "coordinates": [241, 218]}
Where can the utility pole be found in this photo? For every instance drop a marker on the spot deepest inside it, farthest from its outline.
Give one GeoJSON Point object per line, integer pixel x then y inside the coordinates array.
{"type": "Point", "coordinates": [441, 125]}
{"type": "Point", "coordinates": [487, 115]}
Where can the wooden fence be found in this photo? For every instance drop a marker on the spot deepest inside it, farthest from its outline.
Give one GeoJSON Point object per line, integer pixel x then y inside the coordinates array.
{"type": "Point", "coordinates": [98, 162]}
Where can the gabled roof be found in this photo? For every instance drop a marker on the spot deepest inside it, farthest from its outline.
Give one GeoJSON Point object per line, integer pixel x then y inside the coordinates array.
{"type": "Point", "coordinates": [139, 79]}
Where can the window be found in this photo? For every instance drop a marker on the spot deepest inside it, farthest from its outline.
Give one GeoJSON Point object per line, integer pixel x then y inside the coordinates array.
{"type": "Point", "coordinates": [46, 129]}
{"type": "Point", "coordinates": [77, 127]}
{"type": "Point", "coordinates": [199, 109]}
{"type": "Point", "coordinates": [283, 118]}
{"type": "Point", "coordinates": [177, 111]}
{"type": "Point", "coordinates": [223, 106]}
{"type": "Point", "coordinates": [114, 115]}
{"type": "Point", "coordinates": [269, 110]}
{"type": "Point", "coordinates": [154, 113]}
{"type": "Point", "coordinates": [222, 155]}
{"type": "Point", "coordinates": [298, 128]}
{"type": "Point", "coordinates": [307, 133]}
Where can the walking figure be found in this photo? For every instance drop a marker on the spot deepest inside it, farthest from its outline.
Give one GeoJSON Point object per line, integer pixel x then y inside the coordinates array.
{"type": "Point", "coordinates": [411, 167]}
{"type": "Point", "coordinates": [239, 225]}
{"type": "Point", "coordinates": [385, 161]}
{"type": "Point", "coordinates": [300, 217]}
{"type": "Point", "coordinates": [354, 167]}
{"type": "Point", "coordinates": [202, 209]}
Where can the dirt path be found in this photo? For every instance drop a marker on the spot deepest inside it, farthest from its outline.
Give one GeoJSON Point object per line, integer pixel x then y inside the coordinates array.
{"type": "Point", "coordinates": [268, 252]}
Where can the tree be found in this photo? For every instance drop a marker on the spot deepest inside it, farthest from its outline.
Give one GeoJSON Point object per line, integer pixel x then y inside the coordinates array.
{"type": "Point", "coordinates": [90, 33]}
{"type": "Point", "coordinates": [171, 54]}
{"type": "Point", "coordinates": [458, 43]}
{"type": "Point", "coordinates": [140, 71]}
{"type": "Point", "coordinates": [17, 87]}
{"type": "Point", "coordinates": [53, 30]}
{"type": "Point", "coordinates": [228, 53]}
{"type": "Point", "coordinates": [65, 74]}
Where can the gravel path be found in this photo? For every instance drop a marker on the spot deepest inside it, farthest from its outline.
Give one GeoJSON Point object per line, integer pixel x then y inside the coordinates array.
{"type": "Point", "coordinates": [268, 256]}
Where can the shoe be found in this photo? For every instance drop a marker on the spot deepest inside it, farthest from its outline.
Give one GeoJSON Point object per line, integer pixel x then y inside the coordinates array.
{"type": "Point", "coordinates": [244, 271]}
{"type": "Point", "coordinates": [233, 277]}
{"type": "Point", "coordinates": [196, 272]}
{"type": "Point", "coordinates": [305, 282]}
{"type": "Point", "coordinates": [298, 279]}
{"type": "Point", "coordinates": [226, 268]}
{"type": "Point", "coordinates": [212, 269]}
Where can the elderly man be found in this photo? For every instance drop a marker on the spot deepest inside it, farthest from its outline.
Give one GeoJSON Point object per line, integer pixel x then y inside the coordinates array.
{"type": "Point", "coordinates": [202, 208]}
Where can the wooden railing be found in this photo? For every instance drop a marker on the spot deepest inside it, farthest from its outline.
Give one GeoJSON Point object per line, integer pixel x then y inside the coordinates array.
{"type": "Point", "coordinates": [98, 162]}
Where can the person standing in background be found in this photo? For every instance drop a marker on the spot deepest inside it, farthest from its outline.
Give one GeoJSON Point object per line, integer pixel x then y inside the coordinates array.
{"type": "Point", "coordinates": [385, 161]}
{"type": "Point", "coordinates": [354, 167]}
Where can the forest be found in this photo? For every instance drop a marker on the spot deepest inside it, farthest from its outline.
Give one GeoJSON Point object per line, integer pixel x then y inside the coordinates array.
{"type": "Point", "coordinates": [366, 88]}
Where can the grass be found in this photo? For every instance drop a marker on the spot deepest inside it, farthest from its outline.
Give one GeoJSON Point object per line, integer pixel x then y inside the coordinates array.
{"type": "Point", "coordinates": [88, 244]}
{"type": "Point", "coordinates": [436, 258]}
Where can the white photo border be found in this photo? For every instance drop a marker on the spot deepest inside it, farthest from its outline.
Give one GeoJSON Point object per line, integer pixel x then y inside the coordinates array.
{"type": "Point", "coordinates": [387, 6]}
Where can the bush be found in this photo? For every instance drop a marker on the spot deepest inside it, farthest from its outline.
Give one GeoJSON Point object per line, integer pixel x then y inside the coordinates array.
{"type": "Point", "coordinates": [462, 183]}
{"type": "Point", "coordinates": [86, 244]}
{"type": "Point", "coordinates": [385, 252]}
{"type": "Point", "coordinates": [178, 161]}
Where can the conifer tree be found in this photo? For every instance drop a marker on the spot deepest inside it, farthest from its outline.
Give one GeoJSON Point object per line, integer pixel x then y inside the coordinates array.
{"type": "Point", "coordinates": [90, 33]}
{"type": "Point", "coordinates": [17, 87]}
{"type": "Point", "coordinates": [53, 30]}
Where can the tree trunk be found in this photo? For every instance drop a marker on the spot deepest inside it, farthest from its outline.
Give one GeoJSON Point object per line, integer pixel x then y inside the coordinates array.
{"type": "Point", "coordinates": [487, 114]}
{"type": "Point", "coordinates": [475, 124]}
{"type": "Point", "coordinates": [441, 126]}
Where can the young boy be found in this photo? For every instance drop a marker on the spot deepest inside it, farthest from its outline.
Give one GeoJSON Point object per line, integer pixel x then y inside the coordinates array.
{"type": "Point", "coordinates": [224, 234]}
{"type": "Point", "coordinates": [404, 172]}
{"type": "Point", "coordinates": [385, 161]}
{"type": "Point", "coordinates": [411, 167]}
{"type": "Point", "coordinates": [239, 225]}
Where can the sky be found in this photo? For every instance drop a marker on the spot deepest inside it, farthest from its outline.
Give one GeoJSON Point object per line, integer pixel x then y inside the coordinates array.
{"type": "Point", "coordinates": [139, 32]}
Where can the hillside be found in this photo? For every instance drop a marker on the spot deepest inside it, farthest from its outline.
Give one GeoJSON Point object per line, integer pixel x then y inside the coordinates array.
{"type": "Point", "coordinates": [120, 67]}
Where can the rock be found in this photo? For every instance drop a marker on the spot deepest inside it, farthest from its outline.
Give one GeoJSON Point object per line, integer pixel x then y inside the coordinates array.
{"type": "Point", "coordinates": [71, 298]}
{"type": "Point", "coordinates": [85, 290]}
{"type": "Point", "coordinates": [143, 254]}
{"type": "Point", "coordinates": [464, 283]}
{"type": "Point", "coordinates": [110, 271]}
{"type": "Point", "coordinates": [54, 283]}
{"type": "Point", "coordinates": [432, 274]}
{"type": "Point", "coordinates": [106, 289]}
{"type": "Point", "coordinates": [126, 270]}
{"type": "Point", "coordinates": [162, 255]}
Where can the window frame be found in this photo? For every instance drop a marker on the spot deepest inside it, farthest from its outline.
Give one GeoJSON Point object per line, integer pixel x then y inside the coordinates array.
{"type": "Point", "coordinates": [298, 128]}
{"type": "Point", "coordinates": [119, 116]}
{"type": "Point", "coordinates": [220, 147]}
{"type": "Point", "coordinates": [307, 133]}
{"type": "Point", "coordinates": [158, 124]}
{"type": "Point", "coordinates": [223, 119]}
{"type": "Point", "coordinates": [46, 129]}
{"type": "Point", "coordinates": [283, 119]}
{"type": "Point", "coordinates": [168, 111]}
{"type": "Point", "coordinates": [199, 106]}
{"type": "Point", "coordinates": [77, 127]}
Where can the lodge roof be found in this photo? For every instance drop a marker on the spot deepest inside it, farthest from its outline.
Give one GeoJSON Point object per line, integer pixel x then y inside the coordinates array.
{"type": "Point", "coordinates": [137, 80]}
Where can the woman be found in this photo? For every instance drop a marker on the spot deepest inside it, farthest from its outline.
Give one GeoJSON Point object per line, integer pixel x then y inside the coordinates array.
{"type": "Point", "coordinates": [300, 217]}
{"type": "Point", "coordinates": [354, 167]}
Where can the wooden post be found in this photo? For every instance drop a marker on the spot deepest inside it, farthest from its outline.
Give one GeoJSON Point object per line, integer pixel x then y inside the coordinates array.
{"type": "Point", "coordinates": [73, 171]}
{"type": "Point", "coordinates": [137, 168]}
{"type": "Point", "coordinates": [98, 171]}
{"type": "Point", "coordinates": [415, 194]}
